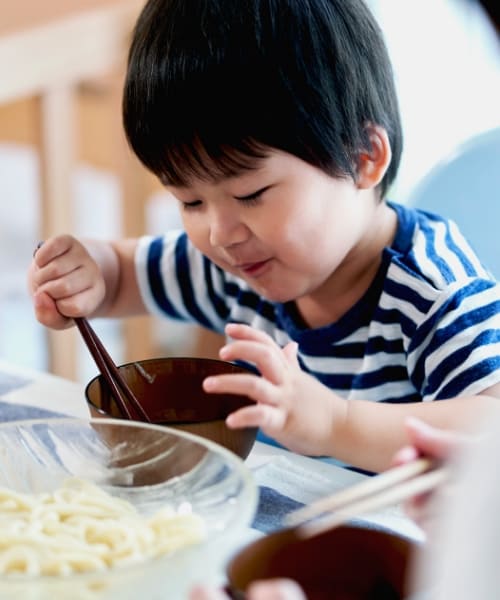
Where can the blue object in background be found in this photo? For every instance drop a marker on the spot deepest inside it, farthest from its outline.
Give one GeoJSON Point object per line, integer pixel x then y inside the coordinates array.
{"type": "Point", "coordinates": [465, 187]}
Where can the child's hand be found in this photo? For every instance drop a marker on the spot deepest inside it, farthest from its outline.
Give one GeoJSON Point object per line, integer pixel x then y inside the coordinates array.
{"type": "Point", "coordinates": [290, 405]}
{"type": "Point", "coordinates": [65, 282]}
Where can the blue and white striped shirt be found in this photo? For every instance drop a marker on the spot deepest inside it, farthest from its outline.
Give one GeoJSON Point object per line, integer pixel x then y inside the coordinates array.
{"type": "Point", "coordinates": [427, 328]}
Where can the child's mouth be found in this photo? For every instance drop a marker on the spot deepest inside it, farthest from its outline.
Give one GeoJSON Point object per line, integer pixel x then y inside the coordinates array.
{"type": "Point", "coordinates": [253, 269]}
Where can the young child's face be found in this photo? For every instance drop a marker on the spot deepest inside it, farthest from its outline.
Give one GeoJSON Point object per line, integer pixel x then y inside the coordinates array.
{"type": "Point", "coordinates": [283, 227]}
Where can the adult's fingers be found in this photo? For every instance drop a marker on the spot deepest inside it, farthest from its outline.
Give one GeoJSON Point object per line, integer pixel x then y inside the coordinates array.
{"type": "Point", "coordinates": [405, 455]}
{"type": "Point", "coordinates": [275, 589]}
{"type": "Point", "coordinates": [433, 442]}
{"type": "Point", "coordinates": [200, 592]}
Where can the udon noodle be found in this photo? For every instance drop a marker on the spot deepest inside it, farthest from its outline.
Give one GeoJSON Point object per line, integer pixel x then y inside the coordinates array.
{"type": "Point", "coordinates": [81, 528]}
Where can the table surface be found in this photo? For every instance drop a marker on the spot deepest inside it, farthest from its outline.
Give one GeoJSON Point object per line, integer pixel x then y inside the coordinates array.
{"type": "Point", "coordinates": [286, 480]}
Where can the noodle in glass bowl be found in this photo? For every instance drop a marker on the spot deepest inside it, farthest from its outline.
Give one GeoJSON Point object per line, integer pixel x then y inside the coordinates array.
{"type": "Point", "coordinates": [106, 509]}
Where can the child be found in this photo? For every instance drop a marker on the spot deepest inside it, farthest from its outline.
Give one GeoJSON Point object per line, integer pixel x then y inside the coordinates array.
{"type": "Point", "coordinates": [276, 127]}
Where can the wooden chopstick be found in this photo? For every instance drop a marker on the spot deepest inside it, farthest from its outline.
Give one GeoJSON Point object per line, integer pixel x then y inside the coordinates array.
{"type": "Point", "coordinates": [389, 488]}
{"type": "Point", "coordinates": [117, 384]}
{"type": "Point", "coordinates": [353, 493]}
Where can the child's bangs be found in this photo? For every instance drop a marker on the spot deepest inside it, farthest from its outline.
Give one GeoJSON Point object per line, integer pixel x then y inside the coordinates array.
{"type": "Point", "coordinates": [186, 161]}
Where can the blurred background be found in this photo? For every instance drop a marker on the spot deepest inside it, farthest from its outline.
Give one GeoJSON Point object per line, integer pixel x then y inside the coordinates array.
{"type": "Point", "coordinates": [64, 165]}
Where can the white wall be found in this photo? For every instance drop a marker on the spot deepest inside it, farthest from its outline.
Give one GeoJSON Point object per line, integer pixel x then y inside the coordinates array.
{"type": "Point", "coordinates": [446, 59]}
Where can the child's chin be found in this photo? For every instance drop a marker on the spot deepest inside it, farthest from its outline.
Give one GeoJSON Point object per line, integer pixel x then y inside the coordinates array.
{"type": "Point", "coordinates": [279, 297]}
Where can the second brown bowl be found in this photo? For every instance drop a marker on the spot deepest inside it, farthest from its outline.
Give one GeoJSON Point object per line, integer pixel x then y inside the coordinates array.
{"type": "Point", "coordinates": [347, 563]}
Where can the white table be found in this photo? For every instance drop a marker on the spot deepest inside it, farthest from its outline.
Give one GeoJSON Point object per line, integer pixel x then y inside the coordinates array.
{"type": "Point", "coordinates": [287, 478]}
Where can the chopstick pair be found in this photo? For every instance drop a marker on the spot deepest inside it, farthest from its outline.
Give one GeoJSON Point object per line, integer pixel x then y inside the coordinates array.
{"type": "Point", "coordinates": [121, 392]}
{"type": "Point", "coordinates": [389, 488]}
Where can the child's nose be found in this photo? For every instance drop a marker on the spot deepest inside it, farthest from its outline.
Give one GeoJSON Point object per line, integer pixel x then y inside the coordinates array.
{"type": "Point", "coordinates": [227, 230]}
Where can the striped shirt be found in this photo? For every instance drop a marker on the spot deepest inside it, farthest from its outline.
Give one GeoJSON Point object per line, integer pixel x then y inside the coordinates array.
{"type": "Point", "coordinates": [427, 328]}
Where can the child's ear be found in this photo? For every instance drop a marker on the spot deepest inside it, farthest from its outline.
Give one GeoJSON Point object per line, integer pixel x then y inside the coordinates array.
{"type": "Point", "coordinates": [373, 165]}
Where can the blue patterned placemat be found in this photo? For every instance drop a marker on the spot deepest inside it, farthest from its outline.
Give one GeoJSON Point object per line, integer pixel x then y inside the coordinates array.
{"type": "Point", "coordinates": [11, 411]}
{"type": "Point", "coordinates": [272, 508]}
{"type": "Point", "coordinates": [18, 412]}
{"type": "Point", "coordinates": [9, 383]}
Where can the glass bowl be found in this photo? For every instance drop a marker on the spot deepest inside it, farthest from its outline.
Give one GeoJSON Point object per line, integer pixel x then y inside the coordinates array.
{"type": "Point", "coordinates": [149, 466]}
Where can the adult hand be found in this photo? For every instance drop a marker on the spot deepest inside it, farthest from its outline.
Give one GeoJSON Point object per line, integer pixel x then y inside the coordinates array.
{"type": "Point", "coordinates": [271, 589]}
{"type": "Point", "coordinates": [442, 445]}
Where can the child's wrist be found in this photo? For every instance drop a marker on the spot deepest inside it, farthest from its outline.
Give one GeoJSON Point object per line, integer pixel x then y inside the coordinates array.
{"type": "Point", "coordinates": [334, 419]}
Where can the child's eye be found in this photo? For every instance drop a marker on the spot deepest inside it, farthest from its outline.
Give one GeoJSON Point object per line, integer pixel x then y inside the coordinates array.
{"type": "Point", "coordinates": [191, 205]}
{"type": "Point", "coordinates": [252, 198]}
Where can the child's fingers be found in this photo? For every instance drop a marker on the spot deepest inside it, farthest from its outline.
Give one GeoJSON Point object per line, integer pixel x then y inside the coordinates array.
{"type": "Point", "coordinates": [269, 361]}
{"type": "Point", "coordinates": [50, 249]}
{"type": "Point", "coordinates": [47, 313]}
{"type": "Point", "coordinates": [78, 305]}
{"type": "Point", "coordinates": [66, 270]}
{"type": "Point", "coordinates": [269, 418]}
{"type": "Point", "coordinates": [290, 353]}
{"type": "Point", "coordinates": [257, 388]}
{"type": "Point", "coordinates": [240, 331]}
{"type": "Point", "coordinates": [67, 286]}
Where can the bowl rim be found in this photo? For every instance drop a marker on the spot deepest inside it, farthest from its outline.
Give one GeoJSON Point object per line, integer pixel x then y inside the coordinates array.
{"type": "Point", "coordinates": [200, 359]}
{"type": "Point", "coordinates": [245, 473]}
{"type": "Point", "coordinates": [106, 415]}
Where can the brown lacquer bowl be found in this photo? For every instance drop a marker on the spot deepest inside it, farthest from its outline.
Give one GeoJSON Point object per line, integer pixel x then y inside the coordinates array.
{"type": "Point", "coordinates": [170, 391]}
{"type": "Point", "coordinates": [346, 563]}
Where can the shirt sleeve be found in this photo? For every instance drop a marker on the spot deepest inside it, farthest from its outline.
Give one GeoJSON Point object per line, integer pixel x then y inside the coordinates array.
{"type": "Point", "coordinates": [177, 281]}
{"type": "Point", "coordinates": [455, 350]}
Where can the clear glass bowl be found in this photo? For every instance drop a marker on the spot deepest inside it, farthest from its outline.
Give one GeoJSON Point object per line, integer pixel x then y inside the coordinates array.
{"type": "Point", "coordinates": [151, 467]}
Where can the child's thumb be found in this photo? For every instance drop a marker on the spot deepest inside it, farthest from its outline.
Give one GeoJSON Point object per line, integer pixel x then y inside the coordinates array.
{"type": "Point", "coordinates": [46, 312]}
{"type": "Point", "coordinates": [290, 352]}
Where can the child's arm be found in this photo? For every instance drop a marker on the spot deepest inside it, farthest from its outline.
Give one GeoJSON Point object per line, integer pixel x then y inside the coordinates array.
{"type": "Point", "coordinates": [304, 415]}
{"type": "Point", "coordinates": [374, 430]}
{"type": "Point", "coordinates": [69, 278]}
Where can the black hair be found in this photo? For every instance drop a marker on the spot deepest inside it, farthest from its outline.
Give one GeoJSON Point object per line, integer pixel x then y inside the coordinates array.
{"type": "Point", "coordinates": [492, 9]}
{"type": "Point", "coordinates": [212, 85]}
